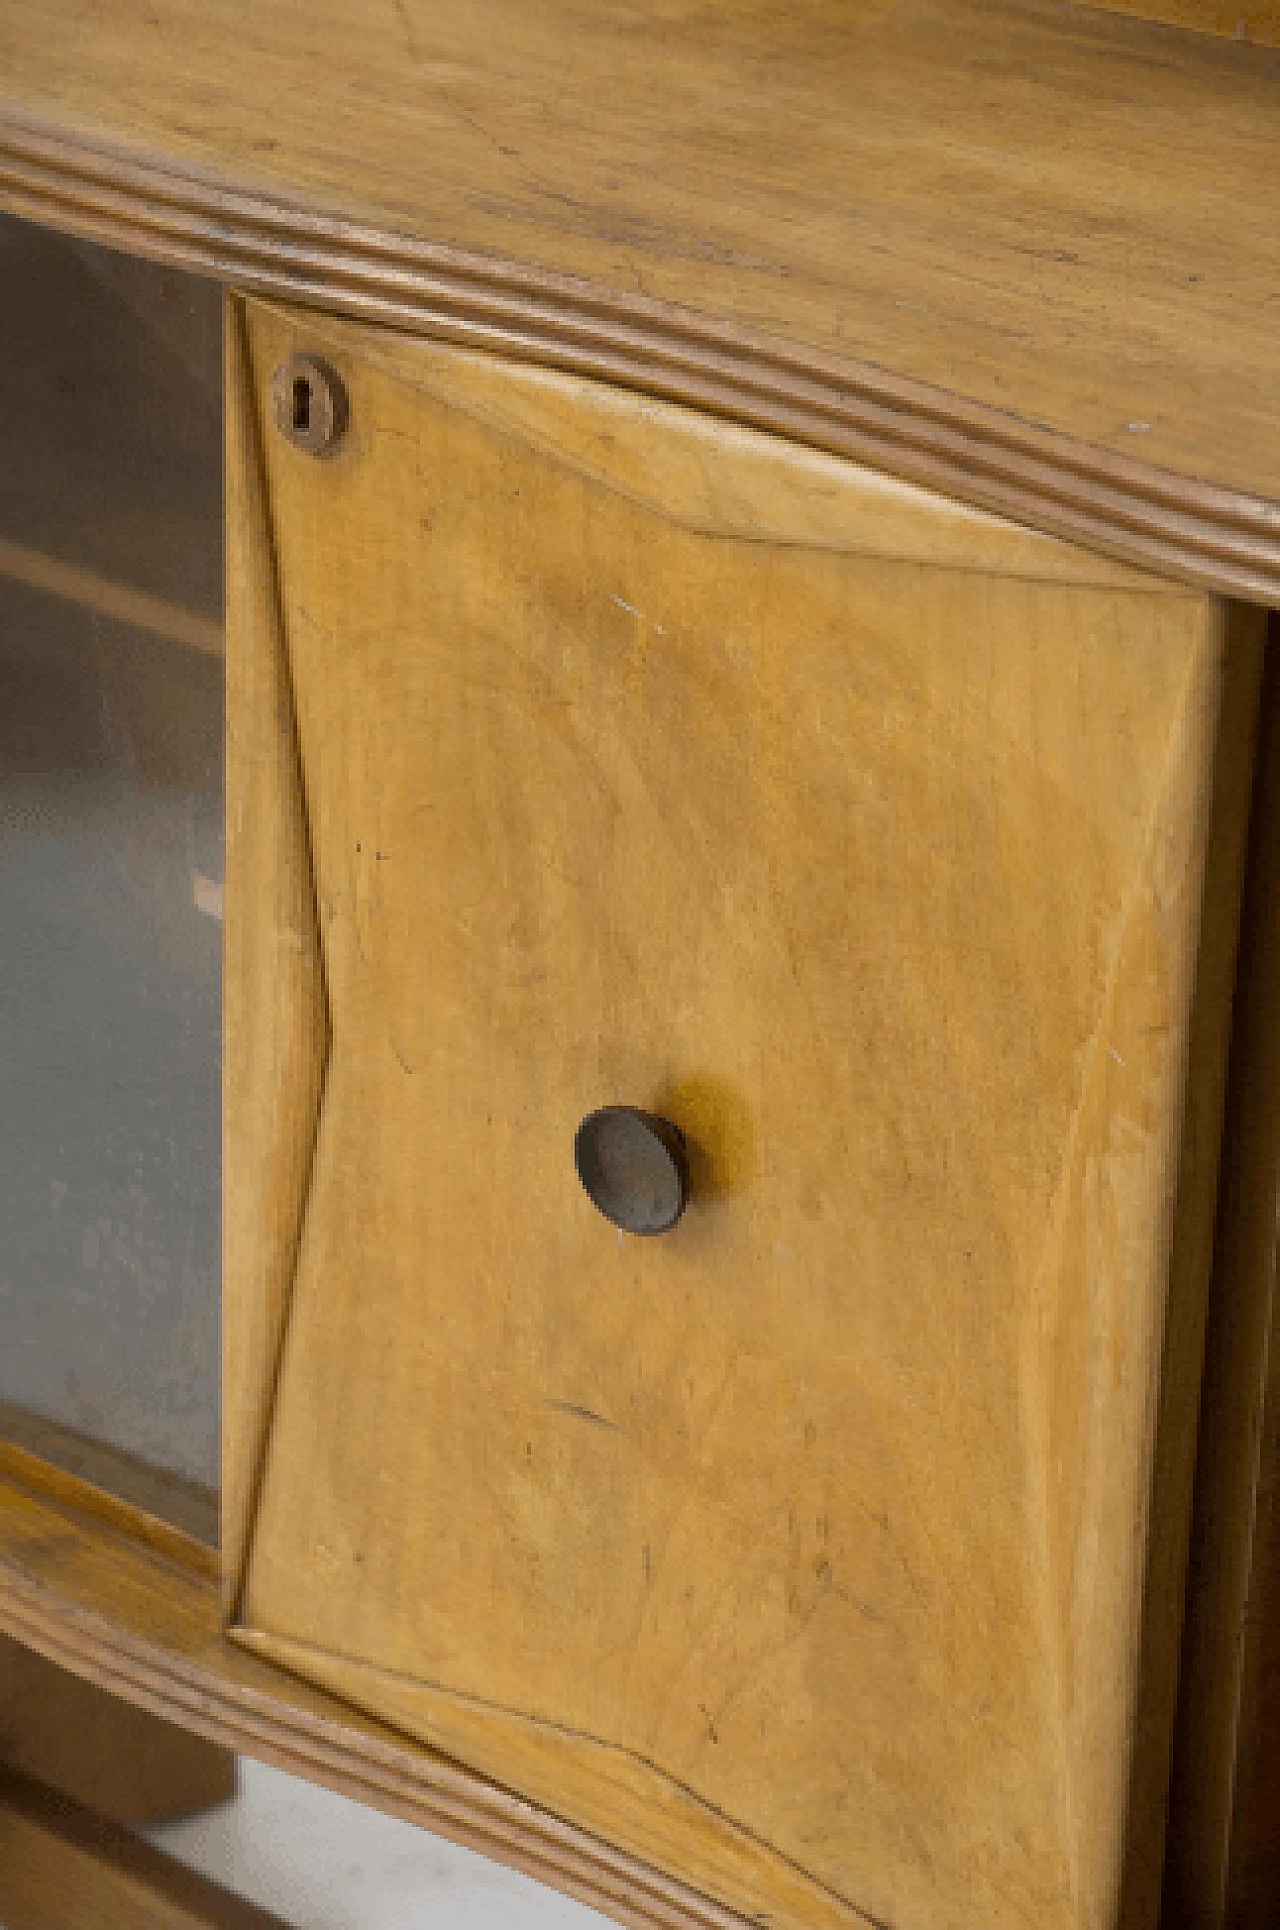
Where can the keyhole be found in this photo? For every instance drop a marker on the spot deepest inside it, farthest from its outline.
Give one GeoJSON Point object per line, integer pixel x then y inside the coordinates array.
{"type": "Point", "coordinates": [310, 404]}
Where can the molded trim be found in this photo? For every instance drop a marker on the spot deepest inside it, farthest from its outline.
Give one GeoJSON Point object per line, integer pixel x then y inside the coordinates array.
{"type": "Point", "coordinates": [1204, 533]}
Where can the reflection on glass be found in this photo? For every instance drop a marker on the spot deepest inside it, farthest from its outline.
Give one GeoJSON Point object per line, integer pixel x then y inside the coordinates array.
{"type": "Point", "coordinates": [110, 871]}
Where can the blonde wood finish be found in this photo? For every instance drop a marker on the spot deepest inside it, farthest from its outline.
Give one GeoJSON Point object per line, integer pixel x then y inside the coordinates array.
{"type": "Point", "coordinates": [907, 233]}
{"type": "Point", "coordinates": [137, 1519]}
{"type": "Point", "coordinates": [179, 1512]}
{"type": "Point", "coordinates": [144, 1623]}
{"type": "Point", "coordinates": [865, 840]}
{"type": "Point", "coordinates": [1257, 21]}
{"type": "Point", "coordinates": [716, 478]}
{"type": "Point", "coordinates": [578, 1777]}
{"type": "Point", "coordinates": [119, 1761]}
{"type": "Point", "coordinates": [274, 1000]}
{"type": "Point", "coordinates": [64, 1868]}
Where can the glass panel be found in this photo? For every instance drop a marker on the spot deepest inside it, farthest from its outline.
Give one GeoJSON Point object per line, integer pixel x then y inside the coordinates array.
{"type": "Point", "coordinates": [110, 855]}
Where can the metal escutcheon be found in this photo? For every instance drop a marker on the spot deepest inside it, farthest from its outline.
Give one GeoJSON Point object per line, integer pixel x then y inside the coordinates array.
{"type": "Point", "coordinates": [310, 404]}
{"type": "Point", "coordinates": [634, 1167]}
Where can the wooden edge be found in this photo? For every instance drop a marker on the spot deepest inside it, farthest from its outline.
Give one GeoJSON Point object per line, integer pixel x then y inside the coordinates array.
{"type": "Point", "coordinates": [139, 1517]}
{"type": "Point", "coordinates": [275, 999]}
{"type": "Point", "coordinates": [598, 431]}
{"type": "Point", "coordinates": [61, 1863]}
{"type": "Point", "coordinates": [1223, 1861]}
{"type": "Point", "coordinates": [1176, 1395]}
{"type": "Point", "coordinates": [596, 1782]}
{"type": "Point", "coordinates": [145, 1627]}
{"type": "Point", "coordinates": [184, 1513]}
{"type": "Point", "coordinates": [265, 243]}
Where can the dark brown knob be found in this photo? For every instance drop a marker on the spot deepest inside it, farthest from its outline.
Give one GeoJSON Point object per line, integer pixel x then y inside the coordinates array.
{"type": "Point", "coordinates": [634, 1168]}
{"type": "Point", "coordinates": [310, 404]}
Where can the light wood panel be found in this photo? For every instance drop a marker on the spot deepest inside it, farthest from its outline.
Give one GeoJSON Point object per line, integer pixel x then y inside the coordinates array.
{"type": "Point", "coordinates": [176, 1508]}
{"type": "Point", "coordinates": [64, 1868]}
{"type": "Point", "coordinates": [274, 999]}
{"type": "Point", "coordinates": [721, 480]}
{"type": "Point", "coordinates": [910, 233]}
{"type": "Point", "coordinates": [119, 1761]}
{"type": "Point", "coordinates": [865, 841]}
{"type": "Point", "coordinates": [143, 1622]}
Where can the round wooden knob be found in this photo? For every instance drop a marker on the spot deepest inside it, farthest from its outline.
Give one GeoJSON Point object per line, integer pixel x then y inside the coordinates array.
{"type": "Point", "coordinates": [634, 1168]}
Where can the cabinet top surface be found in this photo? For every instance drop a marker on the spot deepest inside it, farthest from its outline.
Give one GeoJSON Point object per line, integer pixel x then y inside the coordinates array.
{"type": "Point", "coordinates": [1030, 247]}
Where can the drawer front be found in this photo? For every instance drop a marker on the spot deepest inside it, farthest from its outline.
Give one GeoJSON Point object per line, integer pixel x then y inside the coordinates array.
{"type": "Point", "coordinates": [619, 758]}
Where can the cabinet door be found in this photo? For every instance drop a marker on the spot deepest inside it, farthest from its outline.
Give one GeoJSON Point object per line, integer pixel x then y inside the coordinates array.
{"type": "Point", "coordinates": [587, 752]}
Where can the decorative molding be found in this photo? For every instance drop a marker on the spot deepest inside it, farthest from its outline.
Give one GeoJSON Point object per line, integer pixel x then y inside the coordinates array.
{"type": "Point", "coordinates": [164, 1653]}
{"type": "Point", "coordinates": [262, 242]}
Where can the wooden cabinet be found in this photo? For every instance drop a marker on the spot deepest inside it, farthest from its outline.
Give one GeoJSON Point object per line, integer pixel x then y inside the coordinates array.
{"type": "Point", "coordinates": [585, 751]}
{"type": "Point", "coordinates": [749, 608]}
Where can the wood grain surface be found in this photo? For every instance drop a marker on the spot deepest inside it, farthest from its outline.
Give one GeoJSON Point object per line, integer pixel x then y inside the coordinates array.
{"type": "Point", "coordinates": [864, 839]}
{"type": "Point", "coordinates": [144, 1622]}
{"type": "Point", "coordinates": [912, 233]}
{"type": "Point", "coordinates": [177, 1509]}
{"type": "Point", "coordinates": [273, 997]}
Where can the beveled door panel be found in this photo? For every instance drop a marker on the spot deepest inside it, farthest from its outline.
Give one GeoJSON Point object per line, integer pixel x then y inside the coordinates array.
{"type": "Point", "coordinates": [598, 755]}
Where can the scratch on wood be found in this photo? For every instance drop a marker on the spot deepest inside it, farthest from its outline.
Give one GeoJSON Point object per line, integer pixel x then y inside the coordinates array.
{"type": "Point", "coordinates": [583, 1414]}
